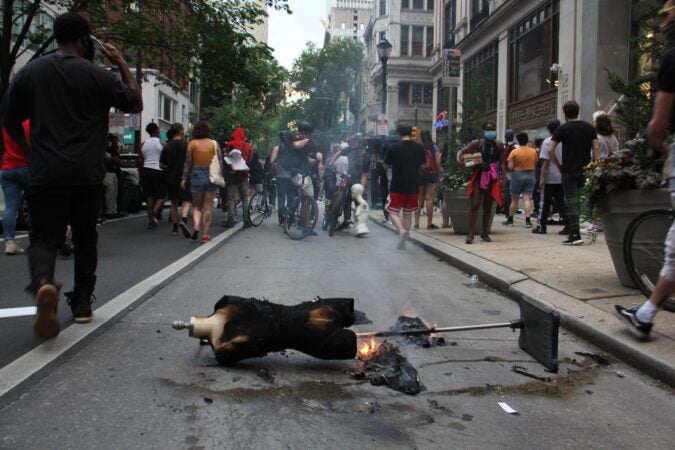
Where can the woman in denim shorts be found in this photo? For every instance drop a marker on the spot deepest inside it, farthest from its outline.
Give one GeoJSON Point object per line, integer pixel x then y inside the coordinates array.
{"type": "Point", "coordinates": [200, 153]}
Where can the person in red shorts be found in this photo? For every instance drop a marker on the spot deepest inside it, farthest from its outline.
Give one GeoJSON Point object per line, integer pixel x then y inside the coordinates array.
{"type": "Point", "coordinates": [405, 159]}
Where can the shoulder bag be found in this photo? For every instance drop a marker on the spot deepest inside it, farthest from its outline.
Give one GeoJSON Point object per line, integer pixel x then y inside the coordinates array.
{"type": "Point", "coordinates": [215, 173]}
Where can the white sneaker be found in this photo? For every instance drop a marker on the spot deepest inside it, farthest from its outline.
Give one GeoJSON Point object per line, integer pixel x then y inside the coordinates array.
{"type": "Point", "coordinates": [12, 248]}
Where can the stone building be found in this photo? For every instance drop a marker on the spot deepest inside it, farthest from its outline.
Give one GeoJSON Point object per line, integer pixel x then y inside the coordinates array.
{"type": "Point", "coordinates": [347, 19]}
{"type": "Point", "coordinates": [520, 59]}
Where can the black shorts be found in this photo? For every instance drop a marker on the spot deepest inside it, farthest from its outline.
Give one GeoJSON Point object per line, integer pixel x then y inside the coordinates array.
{"type": "Point", "coordinates": [428, 179]}
{"type": "Point", "coordinates": [175, 193]}
{"type": "Point", "coordinates": [153, 182]}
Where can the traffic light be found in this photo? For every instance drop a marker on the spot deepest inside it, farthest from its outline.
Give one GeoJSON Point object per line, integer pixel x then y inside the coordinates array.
{"type": "Point", "coordinates": [416, 134]}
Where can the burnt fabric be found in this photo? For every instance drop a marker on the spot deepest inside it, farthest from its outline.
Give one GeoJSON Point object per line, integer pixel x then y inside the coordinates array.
{"type": "Point", "coordinates": [389, 367]}
{"type": "Point", "coordinates": [255, 327]}
{"type": "Point", "coordinates": [405, 323]}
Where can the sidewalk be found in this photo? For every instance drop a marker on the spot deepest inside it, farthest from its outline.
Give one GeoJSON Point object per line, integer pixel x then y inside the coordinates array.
{"type": "Point", "coordinates": [579, 282]}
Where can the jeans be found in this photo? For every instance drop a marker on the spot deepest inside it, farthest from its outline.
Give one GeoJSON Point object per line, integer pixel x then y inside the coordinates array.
{"type": "Point", "coordinates": [51, 209]}
{"type": "Point", "coordinates": [236, 191]}
{"type": "Point", "coordinates": [14, 182]}
{"type": "Point", "coordinates": [571, 183]}
{"type": "Point", "coordinates": [284, 191]}
{"type": "Point", "coordinates": [552, 192]}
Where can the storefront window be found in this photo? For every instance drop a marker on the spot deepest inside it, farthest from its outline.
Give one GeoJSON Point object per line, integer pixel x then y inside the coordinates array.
{"type": "Point", "coordinates": [480, 81]}
{"type": "Point", "coordinates": [534, 48]}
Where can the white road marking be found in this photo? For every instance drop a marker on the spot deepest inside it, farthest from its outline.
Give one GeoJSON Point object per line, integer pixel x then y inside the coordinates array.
{"type": "Point", "coordinates": [17, 312]}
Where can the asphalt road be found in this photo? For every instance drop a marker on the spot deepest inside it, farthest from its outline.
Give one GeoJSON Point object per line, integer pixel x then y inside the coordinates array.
{"type": "Point", "coordinates": [142, 384]}
{"type": "Point", "coordinates": [128, 253]}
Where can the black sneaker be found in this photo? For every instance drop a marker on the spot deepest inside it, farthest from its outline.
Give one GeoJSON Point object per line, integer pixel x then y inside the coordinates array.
{"type": "Point", "coordinates": [485, 237]}
{"type": "Point", "coordinates": [81, 307]}
{"type": "Point", "coordinates": [573, 239]}
{"type": "Point", "coordinates": [195, 235]}
{"type": "Point", "coordinates": [539, 230]}
{"type": "Point", "coordinates": [508, 222]}
{"type": "Point", "coordinates": [528, 223]}
{"type": "Point", "coordinates": [630, 316]}
{"type": "Point", "coordinates": [184, 228]}
{"type": "Point", "coordinates": [565, 231]}
{"type": "Point", "coordinates": [469, 238]}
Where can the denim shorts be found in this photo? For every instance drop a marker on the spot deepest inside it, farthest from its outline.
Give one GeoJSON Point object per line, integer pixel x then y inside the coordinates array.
{"type": "Point", "coordinates": [199, 181]}
{"type": "Point", "coordinates": [522, 182]}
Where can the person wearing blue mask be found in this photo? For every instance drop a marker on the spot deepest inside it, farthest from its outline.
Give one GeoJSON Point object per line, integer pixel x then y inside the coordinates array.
{"type": "Point", "coordinates": [486, 180]}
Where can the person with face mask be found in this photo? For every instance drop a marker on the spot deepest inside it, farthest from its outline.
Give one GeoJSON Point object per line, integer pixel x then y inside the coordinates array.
{"type": "Point", "coordinates": [663, 121]}
{"type": "Point", "coordinates": [485, 184]}
{"type": "Point", "coordinates": [69, 131]}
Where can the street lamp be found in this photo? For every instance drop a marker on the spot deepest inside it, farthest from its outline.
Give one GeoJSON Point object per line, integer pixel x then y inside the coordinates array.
{"type": "Point", "coordinates": [383, 51]}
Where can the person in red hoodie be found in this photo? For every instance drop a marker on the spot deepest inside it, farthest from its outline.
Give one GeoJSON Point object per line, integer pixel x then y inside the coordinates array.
{"type": "Point", "coordinates": [14, 181]}
{"type": "Point", "coordinates": [238, 140]}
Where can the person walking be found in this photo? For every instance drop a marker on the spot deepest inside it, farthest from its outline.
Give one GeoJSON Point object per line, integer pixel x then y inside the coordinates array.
{"type": "Point", "coordinates": [405, 159]}
{"type": "Point", "coordinates": [428, 180]}
{"type": "Point", "coordinates": [522, 163]}
{"type": "Point", "coordinates": [153, 178]}
{"type": "Point", "coordinates": [198, 158]}
{"type": "Point", "coordinates": [608, 142]}
{"type": "Point", "coordinates": [578, 138]}
{"type": "Point", "coordinates": [172, 161]}
{"type": "Point", "coordinates": [550, 183]}
{"type": "Point", "coordinates": [507, 147]}
{"type": "Point", "coordinates": [357, 167]}
{"type": "Point", "coordinates": [236, 174]}
{"type": "Point", "coordinates": [113, 165]}
{"type": "Point", "coordinates": [641, 317]}
{"type": "Point", "coordinates": [14, 175]}
{"type": "Point", "coordinates": [485, 183]}
{"type": "Point", "coordinates": [69, 128]}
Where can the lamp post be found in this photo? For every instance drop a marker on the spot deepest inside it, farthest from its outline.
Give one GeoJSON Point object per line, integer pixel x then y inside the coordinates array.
{"type": "Point", "coordinates": [383, 51]}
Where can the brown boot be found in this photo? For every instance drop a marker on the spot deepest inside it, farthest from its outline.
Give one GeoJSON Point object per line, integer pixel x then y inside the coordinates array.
{"type": "Point", "coordinates": [46, 324]}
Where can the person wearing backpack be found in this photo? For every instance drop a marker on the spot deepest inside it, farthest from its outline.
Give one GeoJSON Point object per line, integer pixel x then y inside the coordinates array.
{"type": "Point", "coordinates": [428, 180]}
{"type": "Point", "coordinates": [283, 159]}
{"type": "Point", "coordinates": [485, 184]}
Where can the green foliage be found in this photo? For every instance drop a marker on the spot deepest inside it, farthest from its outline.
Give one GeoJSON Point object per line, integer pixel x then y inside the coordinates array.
{"type": "Point", "coordinates": [634, 107]}
{"type": "Point", "coordinates": [326, 80]}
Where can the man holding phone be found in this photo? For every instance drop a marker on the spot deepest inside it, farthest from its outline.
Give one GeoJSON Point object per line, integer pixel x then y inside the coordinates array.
{"type": "Point", "coordinates": [67, 99]}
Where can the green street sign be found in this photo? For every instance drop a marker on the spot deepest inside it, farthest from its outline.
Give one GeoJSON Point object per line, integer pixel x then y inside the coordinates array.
{"type": "Point", "coordinates": [129, 136]}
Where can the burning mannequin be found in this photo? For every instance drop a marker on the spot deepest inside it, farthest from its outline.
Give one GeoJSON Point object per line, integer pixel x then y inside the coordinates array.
{"type": "Point", "coordinates": [242, 328]}
{"type": "Point", "coordinates": [361, 213]}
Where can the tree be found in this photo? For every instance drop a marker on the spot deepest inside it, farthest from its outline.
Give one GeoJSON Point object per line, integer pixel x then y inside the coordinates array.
{"type": "Point", "coordinates": [175, 33]}
{"type": "Point", "coordinates": [326, 80]}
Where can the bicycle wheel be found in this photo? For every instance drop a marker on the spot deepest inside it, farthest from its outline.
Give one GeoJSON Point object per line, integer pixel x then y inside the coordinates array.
{"type": "Point", "coordinates": [257, 209]}
{"type": "Point", "coordinates": [293, 223]}
{"type": "Point", "coordinates": [336, 209]}
{"type": "Point", "coordinates": [644, 250]}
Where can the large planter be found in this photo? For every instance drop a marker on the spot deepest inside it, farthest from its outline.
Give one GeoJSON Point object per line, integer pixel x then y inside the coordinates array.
{"type": "Point", "coordinates": [459, 210]}
{"type": "Point", "coordinates": [617, 211]}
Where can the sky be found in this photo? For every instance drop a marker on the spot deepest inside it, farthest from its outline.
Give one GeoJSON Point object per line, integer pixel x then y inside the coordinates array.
{"type": "Point", "coordinates": [288, 34]}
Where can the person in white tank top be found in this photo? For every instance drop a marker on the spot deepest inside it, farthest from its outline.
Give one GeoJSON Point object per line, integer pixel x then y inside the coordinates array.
{"type": "Point", "coordinates": [153, 178]}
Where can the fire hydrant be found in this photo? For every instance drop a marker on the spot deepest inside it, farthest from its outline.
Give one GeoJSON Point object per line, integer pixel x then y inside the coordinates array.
{"type": "Point", "coordinates": [361, 213]}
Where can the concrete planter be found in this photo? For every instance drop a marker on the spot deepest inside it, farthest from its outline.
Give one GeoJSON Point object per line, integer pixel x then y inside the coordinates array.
{"type": "Point", "coordinates": [459, 211]}
{"type": "Point", "coordinates": [617, 211]}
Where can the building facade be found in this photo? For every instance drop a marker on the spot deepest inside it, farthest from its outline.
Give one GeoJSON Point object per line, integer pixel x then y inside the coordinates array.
{"type": "Point", "coordinates": [521, 60]}
{"type": "Point", "coordinates": [347, 19]}
{"type": "Point", "coordinates": [409, 25]}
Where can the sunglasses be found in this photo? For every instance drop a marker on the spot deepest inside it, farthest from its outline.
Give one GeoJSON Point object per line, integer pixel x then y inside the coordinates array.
{"type": "Point", "coordinates": [663, 13]}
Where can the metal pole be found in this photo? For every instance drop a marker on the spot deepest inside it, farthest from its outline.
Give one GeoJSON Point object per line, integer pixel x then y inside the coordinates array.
{"type": "Point", "coordinates": [518, 323]}
{"type": "Point", "coordinates": [384, 85]}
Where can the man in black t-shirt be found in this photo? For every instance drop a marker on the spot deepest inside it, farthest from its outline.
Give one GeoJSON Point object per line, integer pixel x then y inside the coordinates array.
{"type": "Point", "coordinates": [67, 99]}
{"type": "Point", "coordinates": [405, 159]}
{"type": "Point", "coordinates": [172, 162]}
{"type": "Point", "coordinates": [578, 138]}
{"type": "Point", "coordinates": [663, 117]}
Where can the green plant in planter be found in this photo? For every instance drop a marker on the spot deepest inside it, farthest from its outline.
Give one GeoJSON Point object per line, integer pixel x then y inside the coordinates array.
{"type": "Point", "coordinates": [633, 167]}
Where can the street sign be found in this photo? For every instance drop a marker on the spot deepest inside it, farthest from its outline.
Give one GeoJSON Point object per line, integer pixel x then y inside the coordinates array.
{"type": "Point", "coordinates": [451, 67]}
{"type": "Point", "coordinates": [128, 136]}
{"type": "Point", "coordinates": [382, 125]}
{"type": "Point", "coordinates": [135, 121]}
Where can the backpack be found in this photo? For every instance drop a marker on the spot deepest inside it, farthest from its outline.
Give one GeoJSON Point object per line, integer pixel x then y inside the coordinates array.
{"type": "Point", "coordinates": [429, 167]}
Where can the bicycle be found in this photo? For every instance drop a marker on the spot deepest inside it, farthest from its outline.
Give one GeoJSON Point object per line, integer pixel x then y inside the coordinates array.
{"type": "Point", "coordinates": [259, 206]}
{"type": "Point", "coordinates": [644, 250]}
{"type": "Point", "coordinates": [294, 223]}
{"type": "Point", "coordinates": [335, 204]}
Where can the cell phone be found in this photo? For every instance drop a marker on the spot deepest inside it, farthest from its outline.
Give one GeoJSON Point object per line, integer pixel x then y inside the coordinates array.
{"type": "Point", "coordinates": [97, 42]}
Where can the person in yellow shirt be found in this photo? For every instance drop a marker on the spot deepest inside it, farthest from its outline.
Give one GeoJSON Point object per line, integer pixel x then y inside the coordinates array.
{"type": "Point", "coordinates": [523, 162]}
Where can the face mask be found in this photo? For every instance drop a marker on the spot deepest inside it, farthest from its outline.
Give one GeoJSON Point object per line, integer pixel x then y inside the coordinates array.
{"type": "Point", "coordinates": [490, 135]}
{"type": "Point", "coordinates": [668, 31]}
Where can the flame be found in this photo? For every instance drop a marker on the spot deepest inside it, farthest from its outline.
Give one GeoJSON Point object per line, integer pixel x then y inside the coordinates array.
{"type": "Point", "coordinates": [367, 350]}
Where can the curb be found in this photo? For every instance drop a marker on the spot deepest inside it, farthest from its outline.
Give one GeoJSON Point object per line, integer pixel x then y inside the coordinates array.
{"type": "Point", "coordinates": [516, 284]}
{"type": "Point", "coordinates": [20, 374]}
